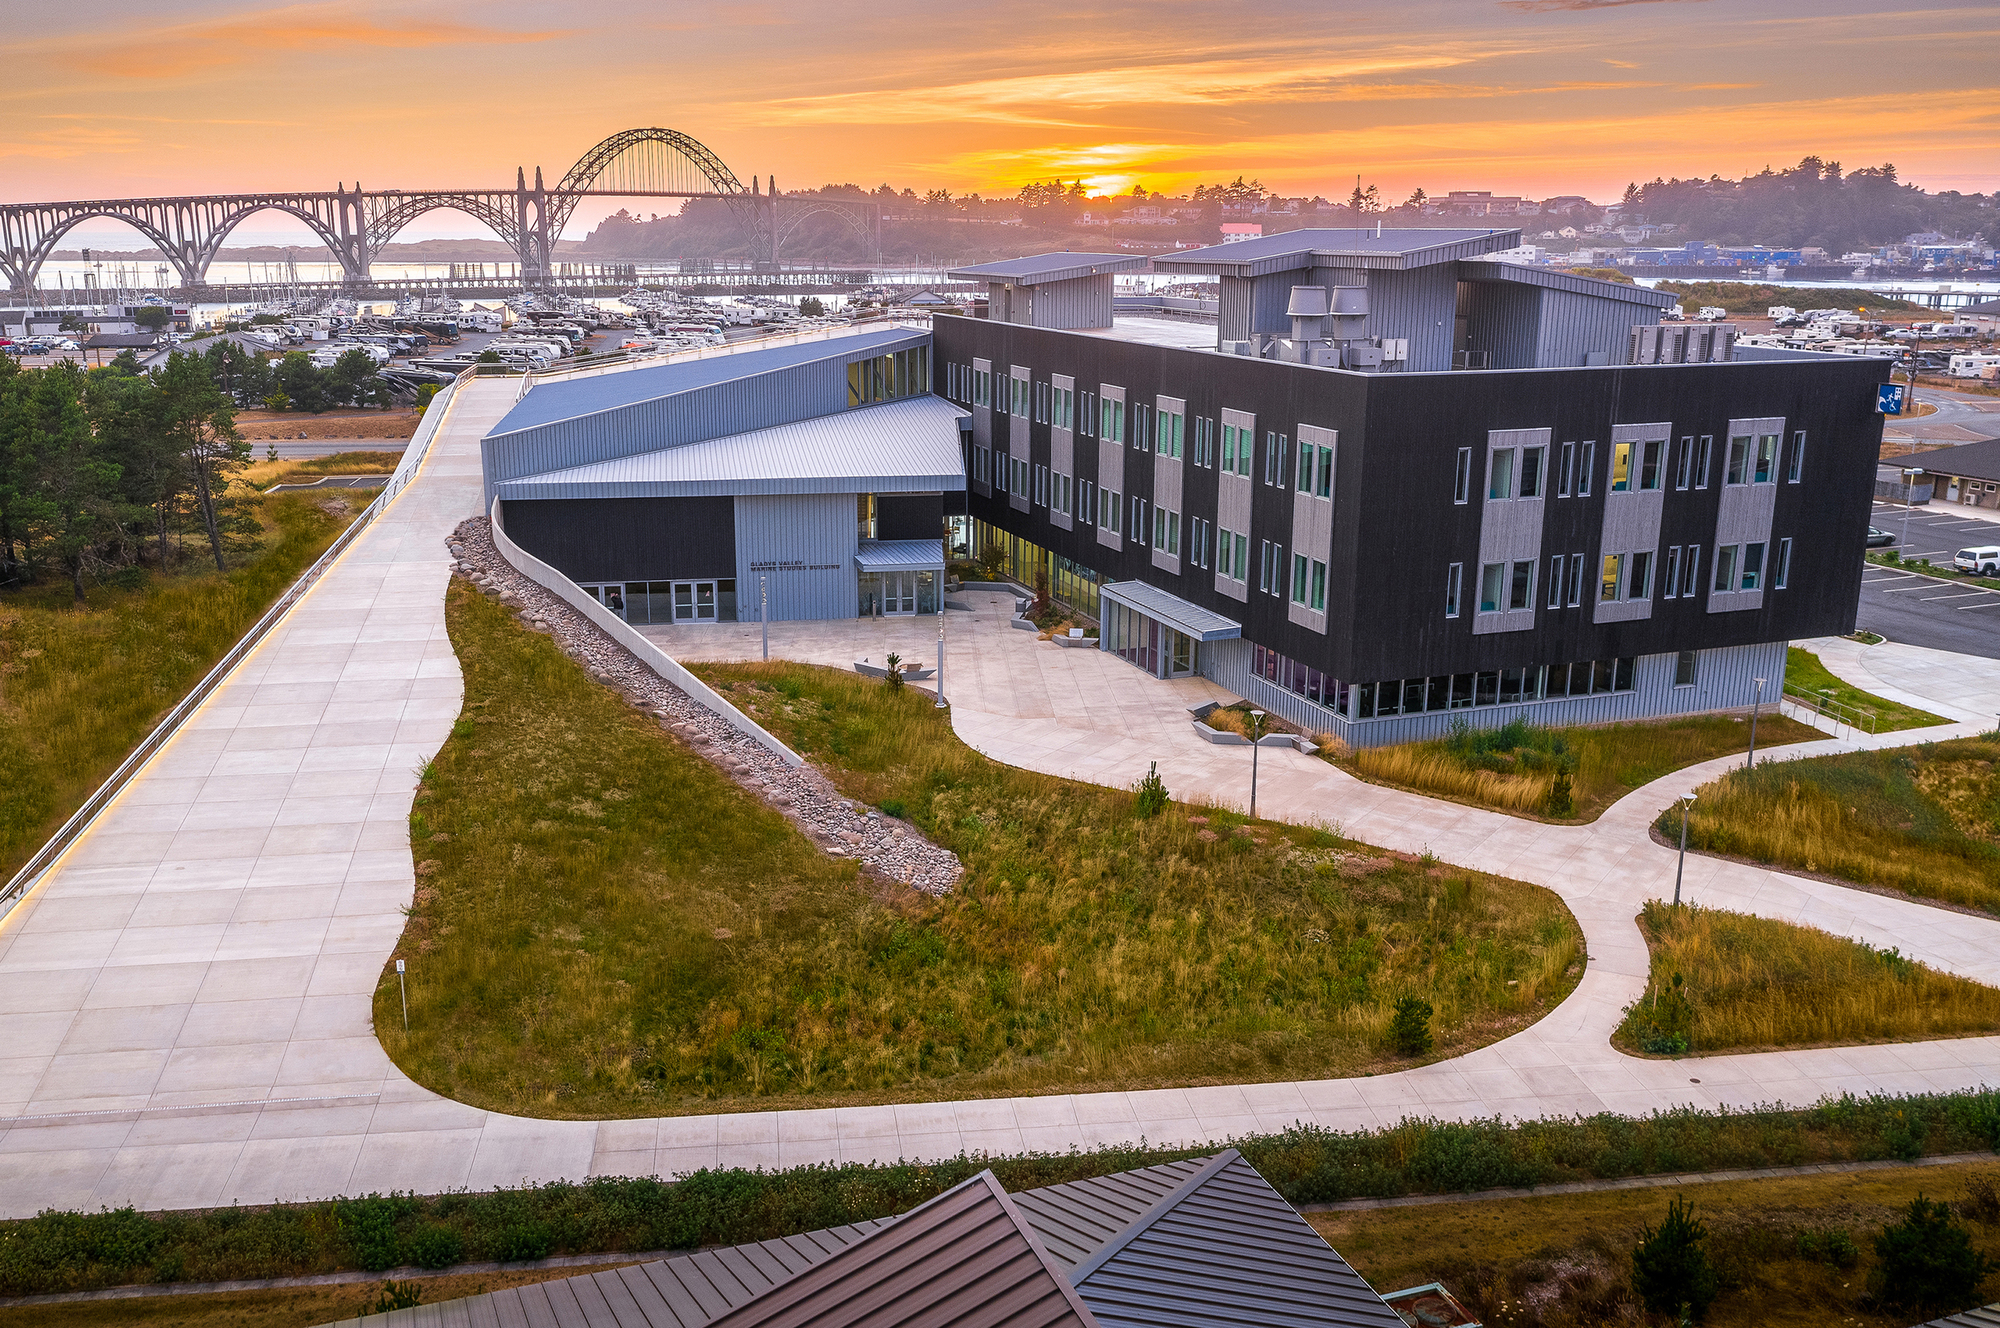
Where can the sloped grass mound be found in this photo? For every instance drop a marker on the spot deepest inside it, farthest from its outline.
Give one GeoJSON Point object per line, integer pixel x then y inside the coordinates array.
{"type": "Point", "coordinates": [606, 926]}
{"type": "Point", "coordinates": [1724, 981]}
{"type": "Point", "coordinates": [1923, 820]}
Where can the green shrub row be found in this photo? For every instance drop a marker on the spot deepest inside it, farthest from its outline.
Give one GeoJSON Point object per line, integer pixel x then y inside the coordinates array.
{"type": "Point", "coordinates": [66, 1251]}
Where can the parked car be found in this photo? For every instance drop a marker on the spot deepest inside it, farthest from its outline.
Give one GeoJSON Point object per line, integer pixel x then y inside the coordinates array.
{"type": "Point", "coordinates": [1879, 539]}
{"type": "Point", "coordinates": [1984, 561]}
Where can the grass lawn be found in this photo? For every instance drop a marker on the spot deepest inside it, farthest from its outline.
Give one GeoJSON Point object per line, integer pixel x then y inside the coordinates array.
{"type": "Point", "coordinates": [1566, 1259]}
{"type": "Point", "coordinates": [78, 689]}
{"type": "Point", "coordinates": [1748, 983]}
{"type": "Point", "coordinates": [1804, 671]}
{"type": "Point", "coordinates": [611, 928]}
{"type": "Point", "coordinates": [1922, 820]}
{"type": "Point", "coordinates": [1515, 768]}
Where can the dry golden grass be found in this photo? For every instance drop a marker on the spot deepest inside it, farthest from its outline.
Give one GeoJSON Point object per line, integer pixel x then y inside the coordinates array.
{"type": "Point", "coordinates": [605, 926]}
{"type": "Point", "coordinates": [1427, 767]}
{"type": "Point", "coordinates": [1756, 982]}
{"type": "Point", "coordinates": [1922, 820]}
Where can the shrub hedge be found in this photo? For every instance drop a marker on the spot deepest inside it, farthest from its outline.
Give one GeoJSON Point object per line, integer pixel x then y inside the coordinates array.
{"type": "Point", "coordinates": [70, 1251]}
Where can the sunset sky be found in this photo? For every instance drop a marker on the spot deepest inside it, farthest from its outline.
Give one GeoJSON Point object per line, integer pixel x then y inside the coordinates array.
{"type": "Point", "coordinates": [1536, 97]}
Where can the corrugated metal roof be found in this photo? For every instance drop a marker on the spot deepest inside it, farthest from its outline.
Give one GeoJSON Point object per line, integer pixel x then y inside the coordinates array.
{"type": "Point", "coordinates": [909, 446]}
{"type": "Point", "coordinates": [1038, 268]}
{"type": "Point", "coordinates": [899, 555]}
{"type": "Point", "coordinates": [1987, 1316]}
{"type": "Point", "coordinates": [1356, 247]}
{"type": "Point", "coordinates": [1172, 610]}
{"type": "Point", "coordinates": [1076, 1218]}
{"type": "Point", "coordinates": [1551, 279]}
{"type": "Point", "coordinates": [1226, 1251]}
{"type": "Point", "coordinates": [967, 1258]}
{"type": "Point", "coordinates": [563, 399]}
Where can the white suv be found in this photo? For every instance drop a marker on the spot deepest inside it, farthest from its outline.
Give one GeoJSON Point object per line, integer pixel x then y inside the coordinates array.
{"type": "Point", "coordinates": [1984, 562]}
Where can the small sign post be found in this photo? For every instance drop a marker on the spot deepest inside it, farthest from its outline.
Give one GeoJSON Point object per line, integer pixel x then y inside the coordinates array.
{"type": "Point", "coordinates": [406, 995]}
{"type": "Point", "coordinates": [1889, 398]}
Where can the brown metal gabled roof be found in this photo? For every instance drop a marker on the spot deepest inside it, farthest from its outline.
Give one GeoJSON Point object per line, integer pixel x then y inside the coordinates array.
{"type": "Point", "coordinates": [1076, 1219]}
{"type": "Point", "coordinates": [966, 1259]}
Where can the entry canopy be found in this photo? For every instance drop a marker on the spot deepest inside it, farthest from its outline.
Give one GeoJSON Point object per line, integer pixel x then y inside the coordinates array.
{"type": "Point", "coordinates": [1175, 612]}
{"type": "Point", "coordinates": [900, 555]}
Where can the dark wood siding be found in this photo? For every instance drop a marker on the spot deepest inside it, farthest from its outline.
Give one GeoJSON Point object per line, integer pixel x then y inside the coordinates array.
{"type": "Point", "coordinates": [1396, 528]}
{"type": "Point", "coordinates": [627, 539]}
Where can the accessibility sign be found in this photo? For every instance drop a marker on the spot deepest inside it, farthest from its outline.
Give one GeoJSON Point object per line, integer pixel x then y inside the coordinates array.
{"type": "Point", "coordinates": [1889, 398]}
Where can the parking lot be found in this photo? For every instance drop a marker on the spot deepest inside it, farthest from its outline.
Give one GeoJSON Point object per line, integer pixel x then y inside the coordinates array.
{"type": "Point", "coordinates": [1922, 610]}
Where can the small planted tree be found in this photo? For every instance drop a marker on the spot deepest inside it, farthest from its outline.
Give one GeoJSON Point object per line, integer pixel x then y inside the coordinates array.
{"type": "Point", "coordinates": [1153, 797]}
{"type": "Point", "coordinates": [1926, 1262]}
{"type": "Point", "coordinates": [894, 674]}
{"type": "Point", "coordinates": [1670, 1267]}
{"type": "Point", "coordinates": [1410, 1030]}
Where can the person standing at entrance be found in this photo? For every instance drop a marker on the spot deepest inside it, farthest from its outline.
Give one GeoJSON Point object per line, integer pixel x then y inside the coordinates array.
{"type": "Point", "coordinates": [614, 600]}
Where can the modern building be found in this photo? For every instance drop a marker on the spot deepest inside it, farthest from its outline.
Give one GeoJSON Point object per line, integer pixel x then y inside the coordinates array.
{"type": "Point", "coordinates": [1968, 474]}
{"type": "Point", "coordinates": [1404, 486]}
{"type": "Point", "coordinates": [1388, 486]}
{"type": "Point", "coordinates": [1203, 1243]}
{"type": "Point", "coordinates": [812, 473]}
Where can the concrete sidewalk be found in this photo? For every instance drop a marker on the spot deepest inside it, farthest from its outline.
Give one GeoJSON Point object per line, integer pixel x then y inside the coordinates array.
{"type": "Point", "coordinates": [188, 994]}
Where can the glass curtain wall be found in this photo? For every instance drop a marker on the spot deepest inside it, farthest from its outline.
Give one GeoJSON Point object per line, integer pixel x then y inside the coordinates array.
{"type": "Point", "coordinates": [1070, 583]}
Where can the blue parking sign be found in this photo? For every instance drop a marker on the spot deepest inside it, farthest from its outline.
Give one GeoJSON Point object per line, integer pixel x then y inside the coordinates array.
{"type": "Point", "coordinates": [1889, 398]}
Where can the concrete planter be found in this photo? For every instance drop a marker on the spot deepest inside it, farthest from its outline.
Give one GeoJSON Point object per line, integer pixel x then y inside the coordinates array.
{"type": "Point", "coordinates": [1025, 624]}
{"type": "Point", "coordinates": [1220, 737]}
{"type": "Point", "coordinates": [1076, 642]}
{"type": "Point", "coordinates": [878, 671]}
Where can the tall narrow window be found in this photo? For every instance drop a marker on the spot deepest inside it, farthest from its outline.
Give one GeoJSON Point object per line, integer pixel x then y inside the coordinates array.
{"type": "Point", "coordinates": [1284, 455]}
{"type": "Point", "coordinates": [1454, 576]}
{"type": "Point", "coordinates": [1573, 587]}
{"type": "Point", "coordinates": [1301, 585]}
{"type": "Point", "coordinates": [1704, 457]}
{"type": "Point", "coordinates": [1651, 470]}
{"type": "Point", "coordinates": [1306, 453]}
{"type": "Point", "coordinates": [1725, 567]}
{"type": "Point", "coordinates": [1767, 459]}
{"type": "Point", "coordinates": [1639, 581]}
{"type": "Point", "coordinates": [1500, 473]}
{"type": "Point", "coordinates": [1670, 584]}
{"type": "Point", "coordinates": [1492, 584]}
{"type": "Point", "coordinates": [1753, 567]}
{"type": "Point", "coordinates": [1533, 463]}
{"type": "Point", "coordinates": [1556, 581]}
{"type": "Point", "coordinates": [1690, 571]}
{"type": "Point", "coordinates": [1621, 467]}
{"type": "Point", "coordinates": [1684, 463]}
{"type": "Point", "coordinates": [1318, 602]}
{"type": "Point", "coordinates": [1228, 448]}
{"type": "Point", "coordinates": [1041, 403]}
{"type": "Point", "coordinates": [1738, 468]}
{"type": "Point", "coordinates": [1325, 487]}
{"type": "Point", "coordinates": [1613, 572]}
{"type": "Point", "coordinates": [1795, 463]}
{"type": "Point", "coordinates": [1270, 456]}
{"type": "Point", "coordinates": [1781, 571]}
{"type": "Point", "coordinates": [1586, 463]}
{"type": "Point", "coordinates": [1461, 489]}
{"type": "Point", "coordinates": [1521, 586]}
{"type": "Point", "coordinates": [1566, 476]}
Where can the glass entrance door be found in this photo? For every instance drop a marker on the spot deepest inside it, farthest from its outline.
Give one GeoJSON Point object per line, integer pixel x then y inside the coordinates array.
{"type": "Point", "coordinates": [895, 594]}
{"type": "Point", "coordinates": [694, 601]}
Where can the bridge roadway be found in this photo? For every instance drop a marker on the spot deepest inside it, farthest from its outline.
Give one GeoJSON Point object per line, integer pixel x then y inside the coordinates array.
{"type": "Point", "coordinates": [187, 996]}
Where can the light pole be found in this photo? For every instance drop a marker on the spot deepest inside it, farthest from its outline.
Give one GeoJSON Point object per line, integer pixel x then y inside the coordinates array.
{"type": "Point", "coordinates": [1687, 800]}
{"type": "Point", "coordinates": [406, 995]}
{"type": "Point", "coordinates": [764, 611]}
{"type": "Point", "coordinates": [1256, 731]}
{"type": "Point", "coordinates": [1755, 706]}
{"type": "Point", "coordinates": [1910, 474]}
{"type": "Point", "coordinates": [940, 701]}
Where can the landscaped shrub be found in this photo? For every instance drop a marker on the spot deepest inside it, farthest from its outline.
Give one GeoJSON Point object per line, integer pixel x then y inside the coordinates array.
{"type": "Point", "coordinates": [1410, 1030]}
{"type": "Point", "coordinates": [1152, 793]}
{"type": "Point", "coordinates": [1926, 1262]}
{"type": "Point", "coordinates": [434, 1246]}
{"type": "Point", "coordinates": [1670, 1268]}
{"type": "Point", "coordinates": [66, 1251]}
{"type": "Point", "coordinates": [1831, 1246]}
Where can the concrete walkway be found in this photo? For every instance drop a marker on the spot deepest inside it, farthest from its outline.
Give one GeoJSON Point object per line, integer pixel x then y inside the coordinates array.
{"type": "Point", "coordinates": [188, 993]}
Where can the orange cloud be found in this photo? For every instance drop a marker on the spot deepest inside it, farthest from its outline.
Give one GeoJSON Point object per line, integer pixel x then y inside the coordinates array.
{"type": "Point", "coordinates": [187, 48]}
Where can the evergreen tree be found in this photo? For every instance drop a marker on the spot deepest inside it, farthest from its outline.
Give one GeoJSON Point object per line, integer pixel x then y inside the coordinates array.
{"type": "Point", "coordinates": [202, 423]}
{"type": "Point", "coordinates": [68, 487]}
{"type": "Point", "coordinates": [1670, 1268]}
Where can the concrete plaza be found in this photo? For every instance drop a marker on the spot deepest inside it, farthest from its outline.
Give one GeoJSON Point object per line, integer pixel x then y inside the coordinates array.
{"type": "Point", "coordinates": [189, 991]}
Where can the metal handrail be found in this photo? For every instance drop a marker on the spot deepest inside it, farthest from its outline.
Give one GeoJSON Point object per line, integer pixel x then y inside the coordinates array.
{"type": "Point", "coordinates": [32, 871]}
{"type": "Point", "coordinates": [1852, 716]}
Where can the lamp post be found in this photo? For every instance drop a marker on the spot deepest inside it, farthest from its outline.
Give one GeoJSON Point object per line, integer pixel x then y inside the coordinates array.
{"type": "Point", "coordinates": [404, 987]}
{"type": "Point", "coordinates": [1755, 706]}
{"type": "Point", "coordinates": [1910, 474]}
{"type": "Point", "coordinates": [764, 611]}
{"type": "Point", "coordinates": [1256, 732]}
{"type": "Point", "coordinates": [940, 594]}
{"type": "Point", "coordinates": [1687, 800]}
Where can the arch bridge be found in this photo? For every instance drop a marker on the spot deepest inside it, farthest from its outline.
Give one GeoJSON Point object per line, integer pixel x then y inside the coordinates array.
{"type": "Point", "coordinates": [355, 223]}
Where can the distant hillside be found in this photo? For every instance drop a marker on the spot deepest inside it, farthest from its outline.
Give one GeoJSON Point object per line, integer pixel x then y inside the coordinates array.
{"type": "Point", "coordinates": [1812, 203]}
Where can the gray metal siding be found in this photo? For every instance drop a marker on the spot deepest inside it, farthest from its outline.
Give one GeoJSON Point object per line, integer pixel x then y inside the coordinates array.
{"type": "Point", "coordinates": [1510, 531]}
{"type": "Point", "coordinates": [1504, 321]}
{"type": "Point", "coordinates": [1573, 327]}
{"type": "Point", "coordinates": [1232, 317]}
{"type": "Point", "coordinates": [1083, 302]}
{"type": "Point", "coordinates": [1420, 305]}
{"type": "Point", "coordinates": [805, 544]}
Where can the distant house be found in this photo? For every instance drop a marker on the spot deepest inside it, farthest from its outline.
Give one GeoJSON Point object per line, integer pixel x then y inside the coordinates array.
{"type": "Point", "coordinates": [929, 299]}
{"type": "Point", "coordinates": [1968, 475]}
{"type": "Point", "coordinates": [1234, 231]}
{"type": "Point", "coordinates": [1204, 1241]}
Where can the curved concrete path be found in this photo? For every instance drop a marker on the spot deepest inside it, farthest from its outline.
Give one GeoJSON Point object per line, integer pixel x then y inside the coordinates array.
{"type": "Point", "coordinates": [187, 995]}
